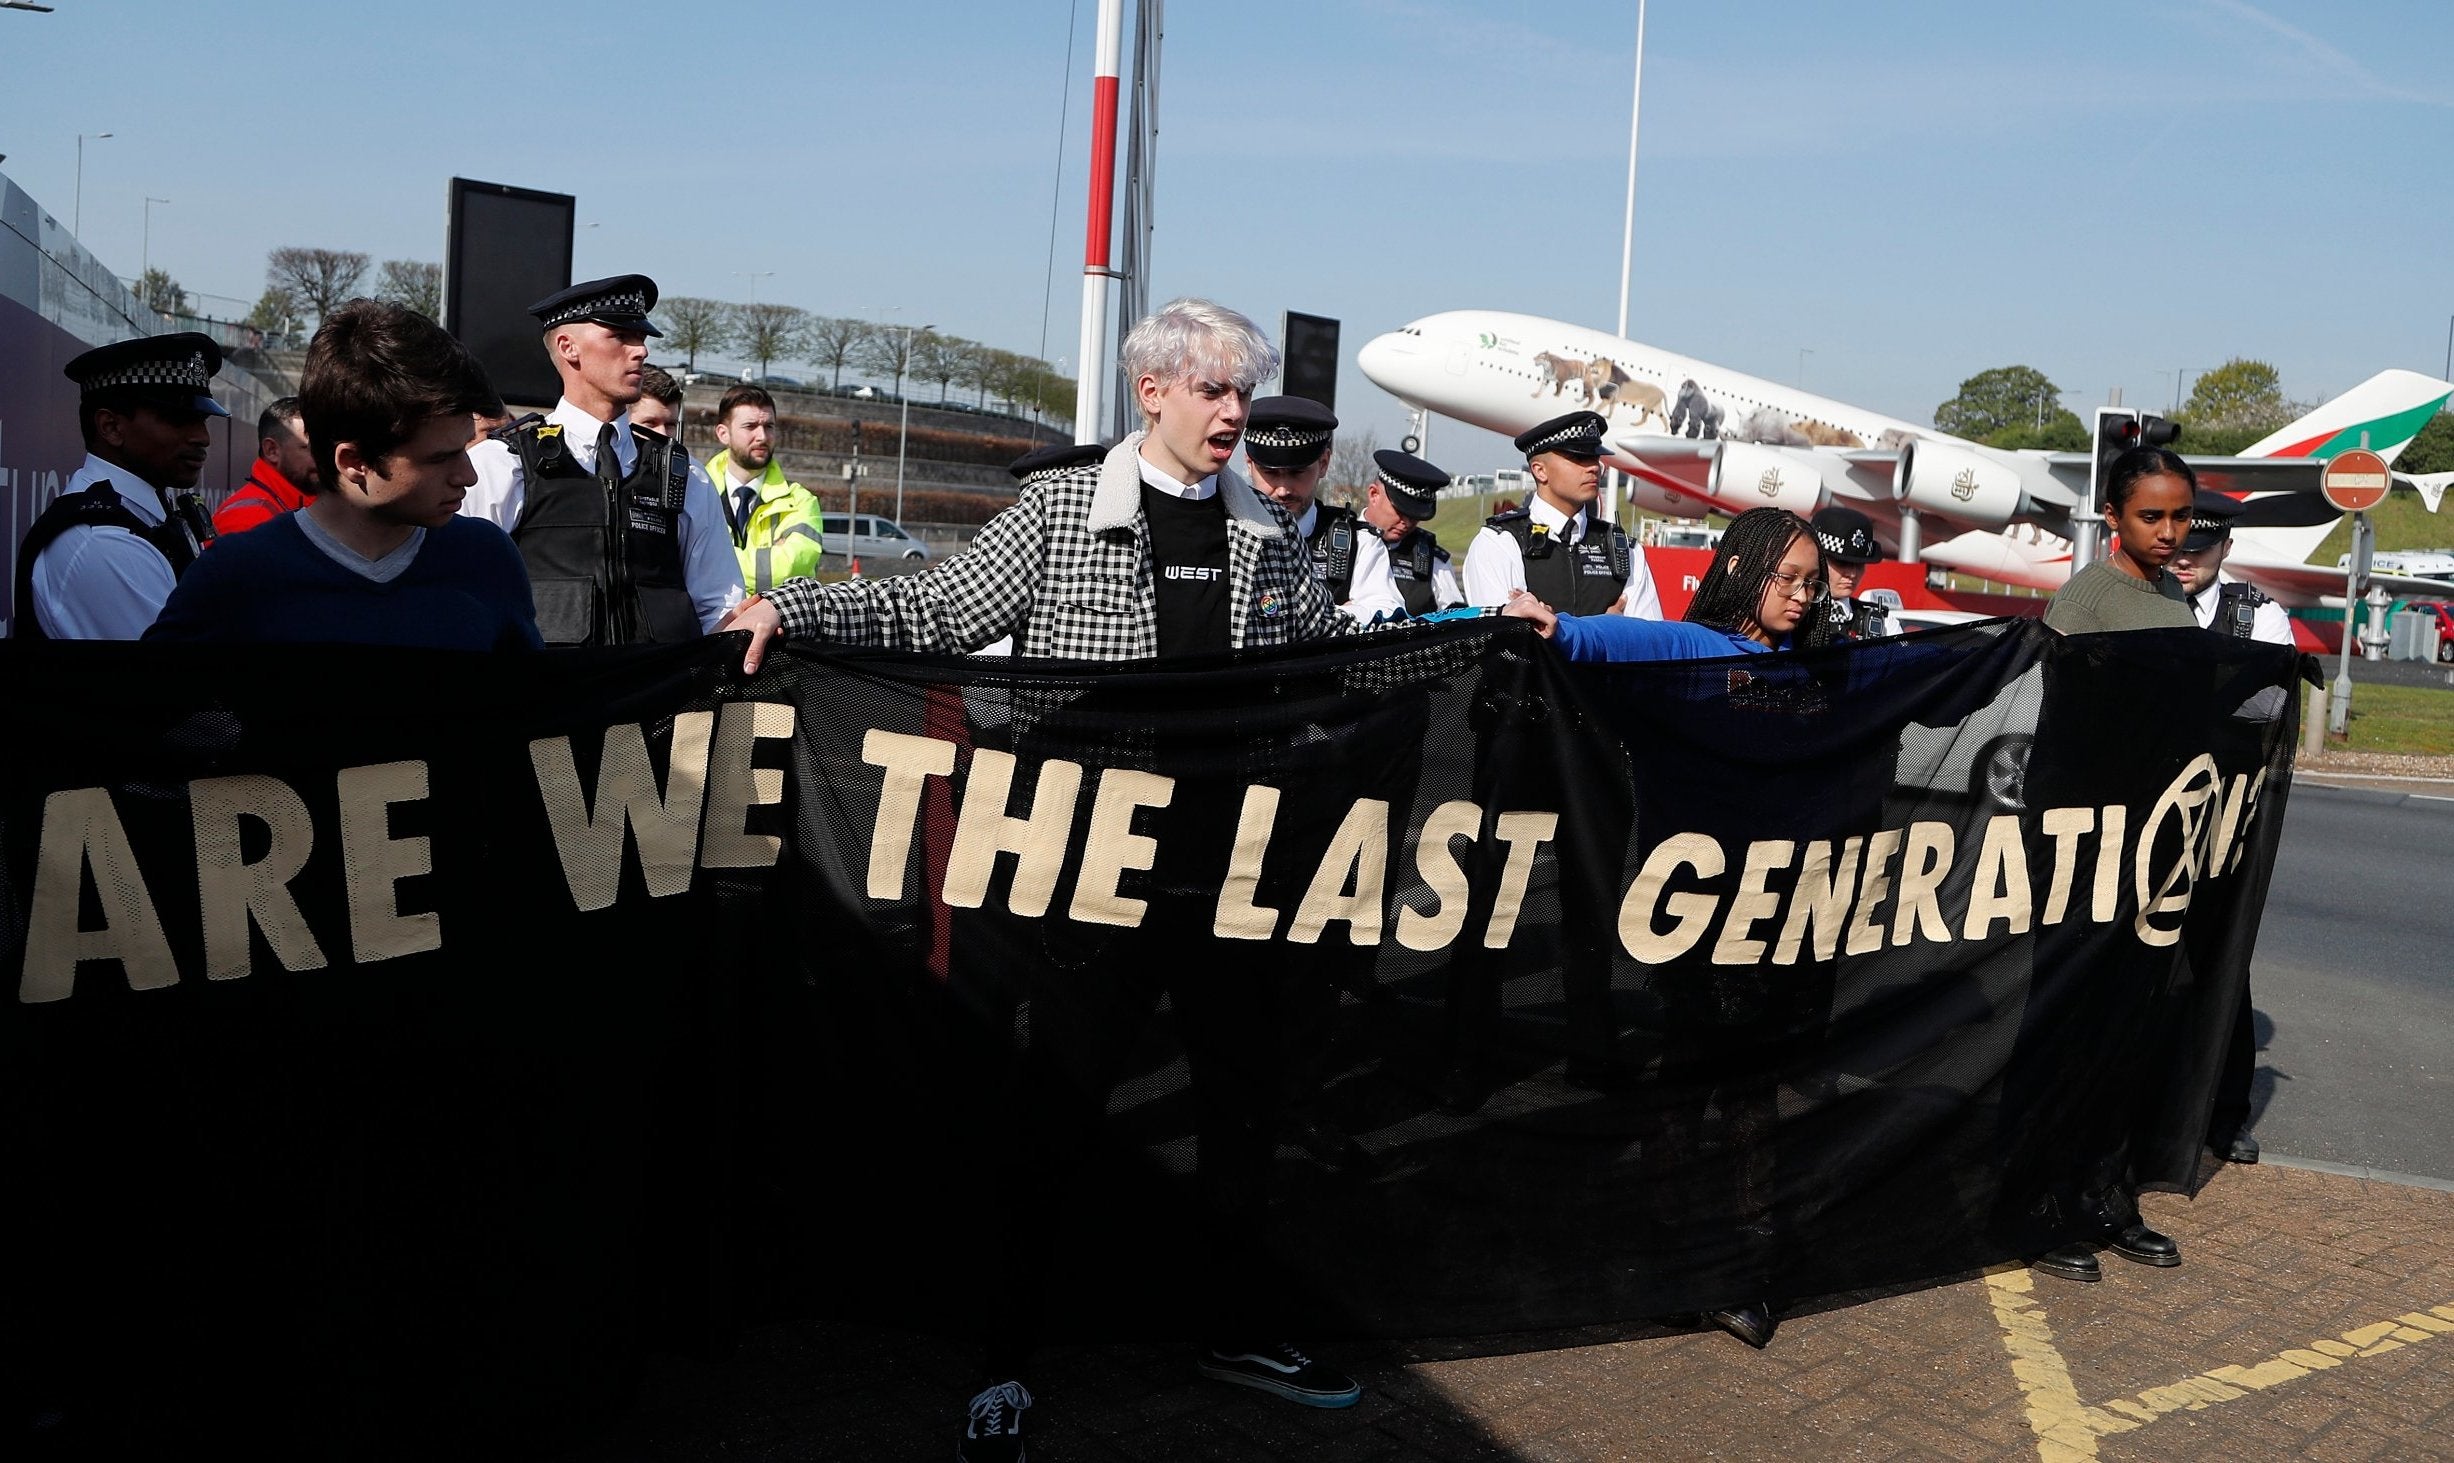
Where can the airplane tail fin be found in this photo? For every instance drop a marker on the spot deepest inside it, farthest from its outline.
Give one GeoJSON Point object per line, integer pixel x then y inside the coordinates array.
{"type": "Point", "coordinates": [2382, 413]}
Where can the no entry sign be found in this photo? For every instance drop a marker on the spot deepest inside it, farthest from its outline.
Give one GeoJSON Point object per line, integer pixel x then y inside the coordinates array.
{"type": "Point", "coordinates": [2357, 480]}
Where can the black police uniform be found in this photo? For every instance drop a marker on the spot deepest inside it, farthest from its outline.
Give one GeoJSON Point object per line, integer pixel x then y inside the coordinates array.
{"type": "Point", "coordinates": [174, 372]}
{"type": "Point", "coordinates": [603, 548]}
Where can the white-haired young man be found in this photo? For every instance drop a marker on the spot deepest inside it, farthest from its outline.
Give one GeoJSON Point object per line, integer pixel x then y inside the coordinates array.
{"type": "Point", "coordinates": [1155, 550]}
{"type": "Point", "coordinates": [1158, 550]}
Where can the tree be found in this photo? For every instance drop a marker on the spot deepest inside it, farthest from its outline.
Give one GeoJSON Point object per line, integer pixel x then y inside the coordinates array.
{"type": "Point", "coordinates": [160, 292]}
{"type": "Point", "coordinates": [2432, 450]}
{"type": "Point", "coordinates": [276, 311]}
{"type": "Point", "coordinates": [979, 369]}
{"type": "Point", "coordinates": [940, 358]}
{"type": "Point", "coordinates": [835, 341]}
{"type": "Point", "coordinates": [1990, 401]}
{"type": "Point", "coordinates": [1350, 458]}
{"type": "Point", "coordinates": [770, 332]}
{"type": "Point", "coordinates": [693, 324]}
{"type": "Point", "coordinates": [318, 279]}
{"type": "Point", "coordinates": [1009, 376]}
{"type": "Point", "coordinates": [889, 351]}
{"type": "Point", "coordinates": [2062, 432]}
{"type": "Point", "coordinates": [2239, 393]}
{"type": "Point", "coordinates": [1052, 395]}
{"type": "Point", "coordinates": [414, 284]}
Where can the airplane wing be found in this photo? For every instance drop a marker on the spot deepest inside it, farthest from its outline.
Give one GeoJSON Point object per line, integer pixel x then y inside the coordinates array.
{"type": "Point", "coordinates": [2430, 485]}
{"type": "Point", "coordinates": [2307, 584]}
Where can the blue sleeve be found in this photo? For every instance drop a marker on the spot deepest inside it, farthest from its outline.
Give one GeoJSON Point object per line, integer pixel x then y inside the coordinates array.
{"type": "Point", "coordinates": [508, 575]}
{"type": "Point", "coordinates": [1619, 637]}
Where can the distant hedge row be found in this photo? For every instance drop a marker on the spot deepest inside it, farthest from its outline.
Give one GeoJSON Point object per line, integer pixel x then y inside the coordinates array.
{"type": "Point", "coordinates": [878, 440]}
{"type": "Point", "coordinates": [920, 505]}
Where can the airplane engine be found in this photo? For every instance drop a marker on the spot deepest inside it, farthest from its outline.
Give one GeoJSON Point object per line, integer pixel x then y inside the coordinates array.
{"type": "Point", "coordinates": [1961, 485]}
{"type": "Point", "coordinates": [1747, 475]}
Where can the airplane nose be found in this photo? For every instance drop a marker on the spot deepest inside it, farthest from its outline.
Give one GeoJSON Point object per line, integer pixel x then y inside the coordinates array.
{"type": "Point", "coordinates": [1383, 358]}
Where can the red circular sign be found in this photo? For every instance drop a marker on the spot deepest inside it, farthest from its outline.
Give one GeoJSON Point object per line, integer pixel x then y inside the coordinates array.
{"type": "Point", "coordinates": [2356, 480]}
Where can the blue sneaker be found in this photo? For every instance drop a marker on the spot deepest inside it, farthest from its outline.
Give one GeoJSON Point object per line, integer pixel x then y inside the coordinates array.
{"type": "Point", "coordinates": [1281, 1370]}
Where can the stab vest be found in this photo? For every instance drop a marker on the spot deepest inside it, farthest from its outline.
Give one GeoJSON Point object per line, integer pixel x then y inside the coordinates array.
{"type": "Point", "coordinates": [2236, 610]}
{"type": "Point", "coordinates": [1333, 550]}
{"type": "Point", "coordinates": [1861, 619]}
{"type": "Point", "coordinates": [176, 538]}
{"type": "Point", "coordinates": [1412, 564]}
{"type": "Point", "coordinates": [604, 560]}
{"type": "Point", "coordinates": [1584, 580]}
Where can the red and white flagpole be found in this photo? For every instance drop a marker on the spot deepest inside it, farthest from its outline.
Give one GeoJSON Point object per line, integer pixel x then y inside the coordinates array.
{"type": "Point", "coordinates": [1098, 370]}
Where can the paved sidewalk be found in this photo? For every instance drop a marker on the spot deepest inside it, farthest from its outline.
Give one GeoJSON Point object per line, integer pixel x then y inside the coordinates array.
{"type": "Point", "coordinates": [2314, 1318]}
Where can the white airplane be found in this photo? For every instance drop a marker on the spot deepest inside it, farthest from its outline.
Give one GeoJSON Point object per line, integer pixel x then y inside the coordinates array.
{"type": "Point", "coordinates": [1700, 438]}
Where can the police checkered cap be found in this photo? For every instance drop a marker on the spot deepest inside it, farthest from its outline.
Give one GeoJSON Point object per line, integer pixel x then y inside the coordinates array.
{"type": "Point", "coordinates": [183, 362]}
{"type": "Point", "coordinates": [620, 301]}
{"type": "Point", "coordinates": [1285, 437]}
{"type": "Point", "coordinates": [1847, 535]}
{"type": "Point", "coordinates": [1579, 432]}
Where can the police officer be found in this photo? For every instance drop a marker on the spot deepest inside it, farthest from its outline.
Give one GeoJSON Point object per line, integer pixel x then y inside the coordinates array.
{"type": "Point", "coordinates": [1404, 491]}
{"type": "Point", "coordinates": [100, 561]}
{"type": "Point", "coordinates": [1287, 440]}
{"type": "Point", "coordinates": [2229, 607]}
{"type": "Point", "coordinates": [623, 534]}
{"type": "Point", "coordinates": [2221, 602]}
{"type": "Point", "coordinates": [1848, 539]}
{"type": "Point", "coordinates": [1554, 547]}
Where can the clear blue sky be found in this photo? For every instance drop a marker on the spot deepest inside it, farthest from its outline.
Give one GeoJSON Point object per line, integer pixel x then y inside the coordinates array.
{"type": "Point", "coordinates": [1911, 191]}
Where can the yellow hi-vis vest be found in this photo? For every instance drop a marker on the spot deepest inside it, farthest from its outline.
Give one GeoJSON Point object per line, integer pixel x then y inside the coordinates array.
{"type": "Point", "coordinates": [781, 540]}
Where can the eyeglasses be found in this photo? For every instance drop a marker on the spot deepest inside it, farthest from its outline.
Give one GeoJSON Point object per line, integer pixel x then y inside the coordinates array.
{"type": "Point", "coordinates": [1791, 586]}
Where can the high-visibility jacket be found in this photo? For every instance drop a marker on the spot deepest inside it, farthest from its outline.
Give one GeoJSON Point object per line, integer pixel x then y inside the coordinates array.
{"type": "Point", "coordinates": [780, 540]}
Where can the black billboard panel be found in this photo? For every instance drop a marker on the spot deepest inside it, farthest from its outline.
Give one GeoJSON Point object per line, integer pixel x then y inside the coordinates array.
{"type": "Point", "coordinates": [1311, 343]}
{"type": "Point", "coordinates": [508, 248]}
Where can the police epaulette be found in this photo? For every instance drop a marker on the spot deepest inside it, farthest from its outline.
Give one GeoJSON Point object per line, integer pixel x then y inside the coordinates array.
{"type": "Point", "coordinates": [522, 423]}
{"type": "Point", "coordinates": [1496, 519]}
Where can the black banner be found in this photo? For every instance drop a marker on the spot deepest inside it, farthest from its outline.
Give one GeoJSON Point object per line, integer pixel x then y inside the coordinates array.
{"type": "Point", "coordinates": [404, 1042]}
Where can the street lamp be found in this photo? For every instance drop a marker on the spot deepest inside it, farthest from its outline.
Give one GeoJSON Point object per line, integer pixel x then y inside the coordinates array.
{"type": "Point", "coordinates": [904, 431]}
{"type": "Point", "coordinates": [76, 219]}
{"type": "Point", "coordinates": [147, 267]}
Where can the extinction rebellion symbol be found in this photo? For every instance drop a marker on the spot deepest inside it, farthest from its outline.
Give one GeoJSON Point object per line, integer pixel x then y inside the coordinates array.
{"type": "Point", "coordinates": [1964, 487]}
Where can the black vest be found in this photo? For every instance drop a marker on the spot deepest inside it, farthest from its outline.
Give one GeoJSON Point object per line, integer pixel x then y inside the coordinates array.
{"type": "Point", "coordinates": [176, 539]}
{"type": "Point", "coordinates": [1412, 563]}
{"type": "Point", "coordinates": [1584, 580]}
{"type": "Point", "coordinates": [604, 563]}
{"type": "Point", "coordinates": [1861, 619]}
{"type": "Point", "coordinates": [1333, 549]}
{"type": "Point", "coordinates": [2236, 610]}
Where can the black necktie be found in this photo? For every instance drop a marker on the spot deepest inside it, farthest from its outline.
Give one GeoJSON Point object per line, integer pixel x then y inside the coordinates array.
{"type": "Point", "coordinates": [608, 460]}
{"type": "Point", "coordinates": [745, 498]}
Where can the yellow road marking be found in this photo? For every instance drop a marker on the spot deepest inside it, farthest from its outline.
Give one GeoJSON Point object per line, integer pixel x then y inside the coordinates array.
{"type": "Point", "coordinates": [2224, 1383]}
{"type": "Point", "coordinates": [2067, 1429]}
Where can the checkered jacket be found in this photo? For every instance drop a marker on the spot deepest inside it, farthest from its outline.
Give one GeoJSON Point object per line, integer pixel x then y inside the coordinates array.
{"type": "Point", "coordinates": [1066, 571]}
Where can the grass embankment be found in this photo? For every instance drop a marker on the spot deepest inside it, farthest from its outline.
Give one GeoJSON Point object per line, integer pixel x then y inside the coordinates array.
{"type": "Point", "coordinates": [2406, 720]}
{"type": "Point", "coordinates": [2403, 522]}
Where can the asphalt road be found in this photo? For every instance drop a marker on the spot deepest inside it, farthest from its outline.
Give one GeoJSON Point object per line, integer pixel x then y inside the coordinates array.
{"type": "Point", "coordinates": [2354, 982]}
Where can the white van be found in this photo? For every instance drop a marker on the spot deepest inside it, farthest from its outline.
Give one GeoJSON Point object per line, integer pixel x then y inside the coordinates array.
{"type": "Point", "coordinates": [870, 537]}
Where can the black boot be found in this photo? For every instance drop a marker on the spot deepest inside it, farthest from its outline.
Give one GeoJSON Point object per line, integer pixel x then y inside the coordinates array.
{"type": "Point", "coordinates": [1751, 1323]}
{"type": "Point", "coordinates": [2138, 1242]}
{"type": "Point", "coordinates": [2071, 1262]}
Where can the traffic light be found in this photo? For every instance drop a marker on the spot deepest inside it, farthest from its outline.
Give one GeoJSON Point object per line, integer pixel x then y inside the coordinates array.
{"type": "Point", "coordinates": [2117, 431]}
{"type": "Point", "coordinates": [2156, 431]}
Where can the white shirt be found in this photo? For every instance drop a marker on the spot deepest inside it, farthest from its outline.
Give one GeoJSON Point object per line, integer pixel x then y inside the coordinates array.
{"type": "Point", "coordinates": [1191, 492]}
{"type": "Point", "coordinates": [710, 570]}
{"type": "Point", "coordinates": [1495, 565]}
{"type": "Point", "coordinates": [2270, 622]}
{"type": "Point", "coordinates": [100, 583]}
{"type": "Point", "coordinates": [1371, 589]}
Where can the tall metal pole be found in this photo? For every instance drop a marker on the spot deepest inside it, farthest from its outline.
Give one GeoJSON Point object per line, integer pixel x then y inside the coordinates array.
{"type": "Point", "coordinates": [76, 219]}
{"type": "Point", "coordinates": [2449, 349]}
{"type": "Point", "coordinates": [2339, 705]}
{"type": "Point", "coordinates": [1627, 234]}
{"type": "Point", "coordinates": [1098, 364]}
{"type": "Point", "coordinates": [147, 266]}
{"type": "Point", "coordinates": [904, 432]}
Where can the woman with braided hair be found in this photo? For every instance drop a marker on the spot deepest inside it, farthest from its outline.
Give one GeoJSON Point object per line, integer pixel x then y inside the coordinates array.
{"type": "Point", "coordinates": [1764, 592]}
{"type": "Point", "coordinates": [1766, 577]}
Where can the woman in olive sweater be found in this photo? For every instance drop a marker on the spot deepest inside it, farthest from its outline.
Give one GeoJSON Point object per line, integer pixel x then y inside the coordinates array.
{"type": "Point", "coordinates": [2147, 510]}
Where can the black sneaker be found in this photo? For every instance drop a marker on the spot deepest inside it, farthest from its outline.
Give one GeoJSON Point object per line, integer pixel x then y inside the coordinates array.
{"type": "Point", "coordinates": [1280, 1370]}
{"type": "Point", "coordinates": [994, 1434]}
